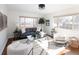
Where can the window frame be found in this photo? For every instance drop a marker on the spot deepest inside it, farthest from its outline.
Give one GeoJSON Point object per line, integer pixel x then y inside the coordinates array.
{"type": "Point", "coordinates": [25, 21]}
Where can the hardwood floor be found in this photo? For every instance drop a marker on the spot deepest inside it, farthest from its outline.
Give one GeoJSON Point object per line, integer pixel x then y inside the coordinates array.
{"type": "Point", "coordinates": [8, 42]}
{"type": "Point", "coordinates": [74, 51]}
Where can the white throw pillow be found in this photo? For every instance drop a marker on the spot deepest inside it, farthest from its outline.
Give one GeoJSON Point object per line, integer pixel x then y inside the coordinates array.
{"type": "Point", "coordinates": [38, 28]}
{"type": "Point", "coordinates": [42, 34]}
{"type": "Point", "coordinates": [23, 30]}
{"type": "Point", "coordinates": [30, 37]}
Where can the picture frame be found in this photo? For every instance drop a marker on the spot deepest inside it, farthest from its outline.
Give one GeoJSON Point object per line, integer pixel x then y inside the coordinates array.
{"type": "Point", "coordinates": [1, 21]}
{"type": "Point", "coordinates": [47, 22]}
{"type": "Point", "coordinates": [5, 21]}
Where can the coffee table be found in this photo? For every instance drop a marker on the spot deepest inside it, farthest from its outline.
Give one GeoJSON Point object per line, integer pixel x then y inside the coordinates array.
{"type": "Point", "coordinates": [49, 46]}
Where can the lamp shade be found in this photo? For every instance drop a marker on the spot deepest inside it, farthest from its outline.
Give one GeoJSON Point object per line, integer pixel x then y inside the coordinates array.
{"type": "Point", "coordinates": [41, 21]}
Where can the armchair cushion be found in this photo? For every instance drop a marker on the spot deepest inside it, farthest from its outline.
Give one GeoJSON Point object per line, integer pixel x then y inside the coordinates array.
{"type": "Point", "coordinates": [60, 40]}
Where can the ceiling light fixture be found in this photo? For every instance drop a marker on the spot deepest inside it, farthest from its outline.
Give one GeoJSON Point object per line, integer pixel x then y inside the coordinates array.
{"type": "Point", "coordinates": [41, 6]}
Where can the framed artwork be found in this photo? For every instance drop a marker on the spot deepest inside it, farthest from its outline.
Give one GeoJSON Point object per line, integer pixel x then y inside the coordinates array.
{"type": "Point", "coordinates": [47, 22]}
{"type": "Point", "coordinates": [4, 21]}
{"type": "Point", "coordinates": [1, 21]}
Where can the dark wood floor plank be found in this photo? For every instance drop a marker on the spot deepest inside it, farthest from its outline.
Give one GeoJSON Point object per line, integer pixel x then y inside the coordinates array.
{"type": "Point", "coordinates": [10, 40]}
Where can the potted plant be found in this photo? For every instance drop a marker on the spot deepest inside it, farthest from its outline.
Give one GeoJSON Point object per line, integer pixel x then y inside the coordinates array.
{"type": "Point", "coordinates": [41, 21]}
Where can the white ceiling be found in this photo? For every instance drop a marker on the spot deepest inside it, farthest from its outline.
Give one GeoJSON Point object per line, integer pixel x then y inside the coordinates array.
{"type": "Point", "coordinates": [49, 9]}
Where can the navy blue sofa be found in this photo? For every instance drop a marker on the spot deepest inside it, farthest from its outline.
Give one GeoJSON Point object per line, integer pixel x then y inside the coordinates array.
{"type": "Point", "coordinates": [29, 31]}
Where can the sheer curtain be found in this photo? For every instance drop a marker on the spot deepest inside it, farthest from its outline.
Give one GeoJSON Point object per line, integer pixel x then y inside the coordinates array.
{"type": "Point", "coordinates": [68, 22]}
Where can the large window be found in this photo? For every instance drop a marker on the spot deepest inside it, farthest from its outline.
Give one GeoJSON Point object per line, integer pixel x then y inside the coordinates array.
{"type": "Point", "coordinates": [27, 22]}
{"type": "Point", "coordinates": [68, 22]}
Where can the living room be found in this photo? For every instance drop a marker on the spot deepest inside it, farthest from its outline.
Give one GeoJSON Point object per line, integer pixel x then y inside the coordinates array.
{"type": "Point", "coordinates": [45, 22]}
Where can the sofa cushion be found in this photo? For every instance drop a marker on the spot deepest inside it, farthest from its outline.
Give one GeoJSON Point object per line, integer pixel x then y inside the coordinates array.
{"type": "Point", "coordinates": [31, 29]}
{"type": "Point", "coordinates": [23, 30]}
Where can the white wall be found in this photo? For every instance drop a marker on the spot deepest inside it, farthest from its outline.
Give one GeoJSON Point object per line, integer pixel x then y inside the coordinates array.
{"type": "Point", "coordinates": [13, 16]}
{"type": "Point", "coordinates": [48, 28]}
{"type": "Point", "coordinates": [3, 33]}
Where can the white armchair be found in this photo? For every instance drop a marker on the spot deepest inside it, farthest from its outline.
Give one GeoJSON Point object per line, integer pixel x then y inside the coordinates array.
{"type": "Point", "coordinates": [60, 40]}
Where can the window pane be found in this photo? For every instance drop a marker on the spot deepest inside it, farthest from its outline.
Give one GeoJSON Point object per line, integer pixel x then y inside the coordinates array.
{"type": "Point", "coordinates": [21, 20]}
{"type": "Point", "coordinates": [27, 22]}
{"type": "Point", "coordinates": [65, 22]}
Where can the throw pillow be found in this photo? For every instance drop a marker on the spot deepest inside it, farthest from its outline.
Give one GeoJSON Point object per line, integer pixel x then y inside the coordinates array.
{"type": "Point", "coordinates": [23, 30]}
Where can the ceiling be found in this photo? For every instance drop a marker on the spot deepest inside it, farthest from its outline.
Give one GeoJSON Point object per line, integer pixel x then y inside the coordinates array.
{"type": "Point", "coordinates": [49, 8]}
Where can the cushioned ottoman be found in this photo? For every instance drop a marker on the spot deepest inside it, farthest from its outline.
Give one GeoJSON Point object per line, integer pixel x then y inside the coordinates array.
{"type": "Point", "coordinates": [19, 48]}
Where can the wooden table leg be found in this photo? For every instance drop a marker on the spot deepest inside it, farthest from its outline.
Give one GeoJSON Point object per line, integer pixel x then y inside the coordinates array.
{"type": "Point", "coordinates": [30, 51]}
{"type": "Point", "coordinates": [42, 51]}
